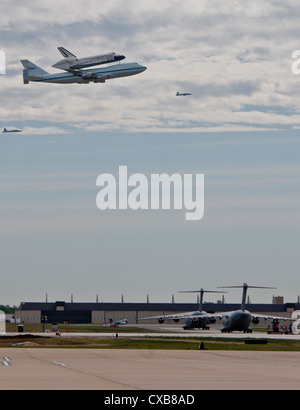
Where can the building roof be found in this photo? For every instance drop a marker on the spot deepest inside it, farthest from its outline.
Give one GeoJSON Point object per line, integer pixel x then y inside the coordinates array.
{"type": "Point", "coordinates": [161, 307]}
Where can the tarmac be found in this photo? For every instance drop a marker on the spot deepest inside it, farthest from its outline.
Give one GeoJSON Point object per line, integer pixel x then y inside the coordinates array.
{"type": "Point", "coordinates": [101, 369]}
{"type": "Point", "coordinates": [31, 368]}
{"type": "Point", "coordinates": [174, 331]}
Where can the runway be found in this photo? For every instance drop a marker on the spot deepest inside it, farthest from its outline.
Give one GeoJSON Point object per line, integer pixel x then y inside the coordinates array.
{"type": "Point", "coordinates": [156, 330]}
{"type": "Point", "coordinates": [100, 369]}
{"type": "Point", "coordinates": [192, 334]}
{"type": "Point", "coordinates": [172, 330]}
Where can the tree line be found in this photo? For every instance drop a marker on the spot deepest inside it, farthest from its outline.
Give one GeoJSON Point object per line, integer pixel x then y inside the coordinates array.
{"type": "Point", "coordinates": [8, 309]}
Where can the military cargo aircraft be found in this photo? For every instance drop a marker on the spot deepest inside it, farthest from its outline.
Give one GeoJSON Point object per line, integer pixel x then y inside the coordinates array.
{"type": "Point", "coordinates": [237, 320]}
{"type": "Point", "coordinates": [198, 319]}
{"type": "Point", "coordinates": [240, 320]}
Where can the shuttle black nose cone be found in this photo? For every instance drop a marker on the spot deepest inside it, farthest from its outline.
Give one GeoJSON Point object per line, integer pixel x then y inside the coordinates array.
{"type": "Point", "coordinates": [119, 57]}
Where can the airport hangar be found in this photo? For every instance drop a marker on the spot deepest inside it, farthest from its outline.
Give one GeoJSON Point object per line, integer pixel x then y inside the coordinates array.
{"type": "Point", "coordinates": [104, 313]}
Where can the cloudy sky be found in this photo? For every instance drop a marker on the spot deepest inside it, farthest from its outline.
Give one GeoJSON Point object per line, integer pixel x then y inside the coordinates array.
{"type": "Point", "coordinates": [240, 128]}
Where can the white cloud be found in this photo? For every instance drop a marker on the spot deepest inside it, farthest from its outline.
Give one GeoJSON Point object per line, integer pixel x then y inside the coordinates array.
{"type": "Point", "coordinates": [44, 130]}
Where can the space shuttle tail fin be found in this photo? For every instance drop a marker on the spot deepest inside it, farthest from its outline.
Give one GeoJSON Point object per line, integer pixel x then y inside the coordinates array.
{"type": "Point", "coordinates": [65, 53]}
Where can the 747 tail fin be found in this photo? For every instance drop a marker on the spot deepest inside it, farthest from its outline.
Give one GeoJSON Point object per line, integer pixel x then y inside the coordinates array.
{"type": "Point", "coordinates": [31, 71]}
{"type": "Point", "coordinates": [38, 71]}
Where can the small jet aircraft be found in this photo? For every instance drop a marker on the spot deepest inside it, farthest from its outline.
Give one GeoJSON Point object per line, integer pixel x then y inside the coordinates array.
{"type": "Point", "coordinates": [5, 130]}
{"type": "Point", "coordinates": [198, 319]}
{"type": "Point", "coordinates": [71, 62]}
{"type": "Point", "coordinates": [34, 73]}
{"type": "Point", "coordinates": [182, 94]}
{"type": "Point", "coordinates": [118, 322]}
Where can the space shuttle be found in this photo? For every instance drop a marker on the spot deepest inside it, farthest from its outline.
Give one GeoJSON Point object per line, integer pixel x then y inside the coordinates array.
{"type": "Point", "coordinates": [70, 62]}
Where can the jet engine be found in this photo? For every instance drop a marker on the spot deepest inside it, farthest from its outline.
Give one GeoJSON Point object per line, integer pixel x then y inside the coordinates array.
{"type": "Point", "coordinates": [161, 320]}
{"type": "Point", "coordinates": [255, 320]}
{"type": "Point", "coordinates": [176, 320]}
{"type": "Point", "coordinates": [100, 78]}
{"type": "Point", "coordinates": [87, 75]}
{"type": "Point", "coordinates": [212, 320]}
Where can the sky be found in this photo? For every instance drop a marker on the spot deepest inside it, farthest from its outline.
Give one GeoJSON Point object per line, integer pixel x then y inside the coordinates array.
{"type": "Point", "coordinates": [240, 128]}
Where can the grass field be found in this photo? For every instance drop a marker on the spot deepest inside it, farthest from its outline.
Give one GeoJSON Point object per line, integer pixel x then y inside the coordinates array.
{"type": "Point", "coordinates": [63, 327]}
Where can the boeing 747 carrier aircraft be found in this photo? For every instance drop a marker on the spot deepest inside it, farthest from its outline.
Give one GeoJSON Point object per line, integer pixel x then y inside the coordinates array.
{"type": "Point", "coordinates": [36, 74]}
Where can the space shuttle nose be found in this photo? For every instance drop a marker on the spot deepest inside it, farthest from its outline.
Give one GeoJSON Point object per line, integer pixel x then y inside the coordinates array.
{"type": "Point", "coordinates": [119, 57]}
